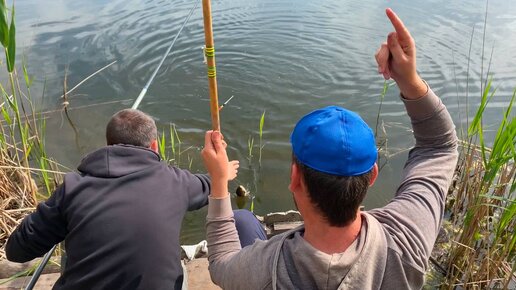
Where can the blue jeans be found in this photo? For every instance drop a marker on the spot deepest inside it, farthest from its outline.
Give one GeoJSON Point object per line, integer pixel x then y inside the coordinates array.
{"type": "Point", "coordinates": [248, 227]}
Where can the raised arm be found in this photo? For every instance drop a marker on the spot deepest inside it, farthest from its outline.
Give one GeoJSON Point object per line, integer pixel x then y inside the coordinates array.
{"type": "Point", "coordinates": [221, 232]}
{"type": "Point", "coordinates": [198, 185]}
{"type": "Point", "coordinates": [224, 252]}
{"type": "Point", "coordinates": [413, 217]}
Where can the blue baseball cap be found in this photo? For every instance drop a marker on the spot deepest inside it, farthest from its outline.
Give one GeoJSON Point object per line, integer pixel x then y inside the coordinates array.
{"type": "Point", "coordinates": [336, 141]}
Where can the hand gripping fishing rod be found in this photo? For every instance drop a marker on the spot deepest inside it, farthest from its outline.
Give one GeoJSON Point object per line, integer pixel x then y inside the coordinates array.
{"type": "Point", "coordinates": [47, 256]}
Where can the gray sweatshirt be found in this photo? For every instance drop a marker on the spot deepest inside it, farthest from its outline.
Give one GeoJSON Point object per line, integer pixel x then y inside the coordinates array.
{"type": "Point", "coordinates": [395, 241]}
{"type": "Point", "coordinates": [120, 218]}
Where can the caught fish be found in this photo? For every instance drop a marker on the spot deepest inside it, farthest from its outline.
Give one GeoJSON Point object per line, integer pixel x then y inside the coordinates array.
{"type": "Point", "coordinates": [241, 191]}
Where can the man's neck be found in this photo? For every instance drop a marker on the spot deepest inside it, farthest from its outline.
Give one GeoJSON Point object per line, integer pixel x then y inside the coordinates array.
{"type": "Point", "coordinates": [330, 239]}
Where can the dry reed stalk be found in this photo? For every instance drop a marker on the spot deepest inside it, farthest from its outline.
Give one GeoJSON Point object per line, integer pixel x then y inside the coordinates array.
{"type": "Point", "coordinates": [479, 257]}
{"type": "Point", "coordinates": [17, 196]}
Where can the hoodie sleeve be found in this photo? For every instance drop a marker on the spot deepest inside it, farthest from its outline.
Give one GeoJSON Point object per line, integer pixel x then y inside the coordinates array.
{"type": "Point", "coordinates": [413, 217]}
{"type": "Point", "coordinates": [197, 187]}
{"type": "Point", "coordinates": [39, 231]}
{"type": "Point", "coordinates": [198, 191]}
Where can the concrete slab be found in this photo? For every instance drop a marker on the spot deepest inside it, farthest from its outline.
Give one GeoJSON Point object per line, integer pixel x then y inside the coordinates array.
{"type": "Point", "coordinates": [45, 282]}
{"type": "Point", "coordinates": [198, 278]}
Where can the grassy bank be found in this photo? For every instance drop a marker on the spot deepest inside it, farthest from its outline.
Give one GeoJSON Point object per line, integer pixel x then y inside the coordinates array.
{"type": "Point", "coordinates": [26, 174]}
{"type": "Point", "coordinates": [482, 207]}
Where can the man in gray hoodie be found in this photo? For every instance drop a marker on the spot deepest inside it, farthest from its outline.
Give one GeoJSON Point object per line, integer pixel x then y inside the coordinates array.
{"type": "Point", "coordinates": [120, 215]}
{"type": "Point", "coordinates": [334, 162]}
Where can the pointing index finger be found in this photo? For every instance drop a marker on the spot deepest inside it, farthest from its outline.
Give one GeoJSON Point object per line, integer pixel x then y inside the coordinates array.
{"type": "Point", "coordinates": [400, 28]}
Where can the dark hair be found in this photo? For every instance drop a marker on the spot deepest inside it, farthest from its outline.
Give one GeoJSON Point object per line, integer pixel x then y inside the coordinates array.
{"type": "Point", "coordinates": [131, 127]}
{"type": "Point", "coordinates": [336, 197]}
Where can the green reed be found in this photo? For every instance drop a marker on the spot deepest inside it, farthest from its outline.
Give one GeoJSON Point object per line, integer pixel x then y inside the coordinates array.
{"type": "Point", "coordinates": [482, 200]}
{"type": "Point", "coordinates": [260, 134]}
{"type": "Point", "coordinates": [250, 146]}
{"type": "Point", "coordinates": [483, 205]}
{"type": "Point", "coordinates": [26, 173]}
{"type": "Point", "coordinates": [170, 148]}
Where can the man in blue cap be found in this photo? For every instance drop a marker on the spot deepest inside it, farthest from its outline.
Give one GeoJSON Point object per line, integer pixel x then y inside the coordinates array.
{"type": "Point", "coordinates": [334, 163]}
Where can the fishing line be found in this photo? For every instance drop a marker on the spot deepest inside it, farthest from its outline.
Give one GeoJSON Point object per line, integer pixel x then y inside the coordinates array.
{"type": "Point", "coordinates": [144, 90]}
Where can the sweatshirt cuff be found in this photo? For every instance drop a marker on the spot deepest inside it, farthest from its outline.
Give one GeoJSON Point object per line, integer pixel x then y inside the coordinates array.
{"type": "Point", "coordinates": [219, 207]}
{"type": "Point", "coordinates": [423, 107]}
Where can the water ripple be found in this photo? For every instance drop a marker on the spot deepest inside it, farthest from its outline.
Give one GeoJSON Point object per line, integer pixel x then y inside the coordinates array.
{"type": "Point", "coordinates": [283, 57]}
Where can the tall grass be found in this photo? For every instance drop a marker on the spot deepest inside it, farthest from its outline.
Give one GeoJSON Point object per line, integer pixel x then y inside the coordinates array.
{"type": "Point", "coordinates": [255, 172]}
{"type": "Point", "coordinates": [260, 134]}
{"type": "Point", "coordinates": [381, 141]}
{"type": "Point", "coordinates": [24, 166]}
{"type": "Point", "coordinates": [169, 145]}
{"type": "Point", "coordinates": [251, 144]}
{"type": "Point", "coordinates": [483, 205]}
{"type": "Point", "coordinates": [482, 200]}
{"type": "Point", "coordinates": [250, 147]}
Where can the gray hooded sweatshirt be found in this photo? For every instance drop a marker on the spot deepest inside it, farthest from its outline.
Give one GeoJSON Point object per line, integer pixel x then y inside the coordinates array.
{"type": "Point", "coordinates": [395, 241]}
{"type": "Point", "coordinates": [120, 217]}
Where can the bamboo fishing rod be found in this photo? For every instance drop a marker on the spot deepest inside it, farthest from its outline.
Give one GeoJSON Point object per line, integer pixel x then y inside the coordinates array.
{"type": "Point", "coordinates": [209, 52]}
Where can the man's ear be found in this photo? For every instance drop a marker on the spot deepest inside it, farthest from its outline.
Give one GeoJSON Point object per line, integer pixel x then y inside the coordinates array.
{"type": "Point", "coordinates": [375, 175]}
{"type": "Point", "coordinates": [154, 146]}
{"type": "Point", "coordinates": [295, 178]}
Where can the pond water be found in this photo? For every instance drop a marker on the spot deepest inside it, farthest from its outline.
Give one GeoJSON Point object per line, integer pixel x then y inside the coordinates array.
{"type": "Point", "coordinates": [281, 57]}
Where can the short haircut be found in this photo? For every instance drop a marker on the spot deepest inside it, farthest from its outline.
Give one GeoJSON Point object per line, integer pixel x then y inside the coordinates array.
{"type": "Point", "coordinates": [131, 127]}
{"type": "Point", "coordinates": [336, 197]}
